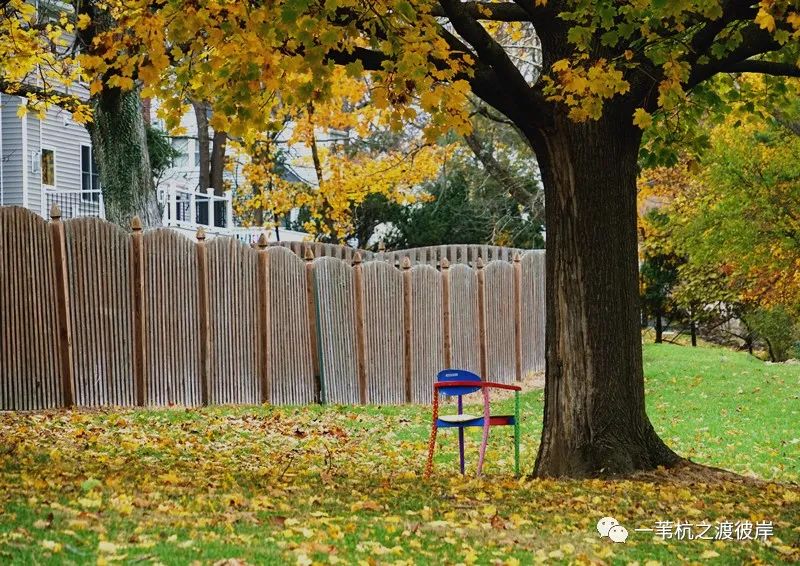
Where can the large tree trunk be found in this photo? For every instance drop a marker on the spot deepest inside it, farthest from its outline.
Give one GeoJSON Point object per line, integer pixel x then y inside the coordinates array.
{"type": "Point", "coordinates": [595, 421]}
{"type": "Point", "coordinates": [120, 144]}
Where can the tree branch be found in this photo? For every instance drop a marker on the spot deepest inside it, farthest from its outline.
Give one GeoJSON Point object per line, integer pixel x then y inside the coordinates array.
{"type": "Point", "coordinates": [496, 12]}
{"type": "Point", "coordinates": [755, 41]}
{"type": "Point", "coordinates": [763, 67]}
{"type": "Point", "coordinates": [68, 102]}
{"type": "Point", "coordinates": [489, 52]}
{"type": "Point", "coordinates": [501, 173]}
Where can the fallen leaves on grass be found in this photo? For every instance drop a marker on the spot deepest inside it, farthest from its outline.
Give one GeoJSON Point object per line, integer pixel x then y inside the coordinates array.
{"type": "Point", "coordinates": [329, 485]}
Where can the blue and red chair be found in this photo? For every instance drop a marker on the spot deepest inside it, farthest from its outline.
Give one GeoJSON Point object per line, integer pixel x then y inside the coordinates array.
{"type": "Point", "coordinates": [457, 383]}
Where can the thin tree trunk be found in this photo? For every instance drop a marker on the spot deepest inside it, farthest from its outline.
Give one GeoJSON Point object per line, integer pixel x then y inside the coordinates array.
{"type": "Point", "coordinates": [659, 328]}
{"type": "Point", "coordinates": [693, 332]}
{"type": "Point", "coordinates": [120, 144]}
{"type": "Point", "coordinates": [217, 172]}
{"type": "Point", "coordinates": [201, 116]}
{"type": "Point", "coordinates": [595, 421]}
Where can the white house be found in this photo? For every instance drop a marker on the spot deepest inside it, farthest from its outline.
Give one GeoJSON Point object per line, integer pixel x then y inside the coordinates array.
{"type": "Point", "coordinates": [50, 160]}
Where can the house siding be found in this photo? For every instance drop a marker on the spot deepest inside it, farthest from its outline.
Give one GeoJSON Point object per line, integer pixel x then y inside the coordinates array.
{"type": "Point", "coordinates": [66, 137]}
{"type": "Point", "coordinates": [56, 131]}
{"type": "Point", "coordinates": [32, 159]}
{"type": "Point", "coordinates": [13, 160]}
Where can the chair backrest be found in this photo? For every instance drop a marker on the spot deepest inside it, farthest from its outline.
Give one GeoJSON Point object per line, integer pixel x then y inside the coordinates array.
{"type": "Point", "coordinates": [457, 375]}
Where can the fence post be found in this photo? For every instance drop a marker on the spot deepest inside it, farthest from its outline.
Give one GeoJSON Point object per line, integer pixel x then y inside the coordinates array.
{"type": "Point", "coordinates": [407, 327]}
{"type": "Point", "coordinates": [482, 318]}
{"type": "Point", "coordinates": [264, 318]}
{"type": "Point", "coordinates": [517, 317]}
{"type": "Point", "coordinates": [358, 284]}
{"type": "Point", "coordinates": [204, 307]}
{"type": "Point", "coordinates": [448, 355]}
{"type": "Point", "coordinates": [58, 241]}
{"type": "Point", "coordinates": [311, 301]}
{"type": "Point", "coordinates": [138, 306]}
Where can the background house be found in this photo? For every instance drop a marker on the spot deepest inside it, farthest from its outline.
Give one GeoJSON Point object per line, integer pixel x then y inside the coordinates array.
{"type": "Point", "coordinates": [50, 161]}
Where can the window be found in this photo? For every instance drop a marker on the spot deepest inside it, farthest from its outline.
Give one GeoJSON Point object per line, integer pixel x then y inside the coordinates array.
{"type": "Point", "coordinates": [181, 145]}
{"type": "Point", "coordinates": [90, 176]}
{"type": "Point", "coordinates": [197, 153]}
{"type": "Point", "coordinates": [49, 167]}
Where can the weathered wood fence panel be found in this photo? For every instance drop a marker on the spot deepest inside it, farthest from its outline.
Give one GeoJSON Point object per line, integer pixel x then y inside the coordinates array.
{"type": "Point", "coordinates": [533, 311]}
{"type": "Point", "coordinates": [427, 345]}
{"type": "Point", "coordinates": [383, 318]}
{"type": "Point", "coordinates": [98, 262]}
{"type": "Point", "coordinates": [30, 375]}
{"type": "Point", "coordinates": [464, 318]}
{"type": "Point", "coordinates": [235, 351]}
{"type": "Point", "coordinates": [291, 371]}
{"type": "Point", "coordinates": [92, 315]}
{"type": "Point", "coordinates": [336, 320]}
{"type": "Point", "coordinates": [430, 255]}
{"type": "Point", "coordinates": [172, 328]}
{"type": "Point", "coordinates": [499, 316]}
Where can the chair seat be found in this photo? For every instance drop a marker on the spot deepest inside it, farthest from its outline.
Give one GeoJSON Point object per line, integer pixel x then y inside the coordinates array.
{"type": "Point", "coordinates": [447, 421]}
{"type": "Point", "coordinates": [458, 418]}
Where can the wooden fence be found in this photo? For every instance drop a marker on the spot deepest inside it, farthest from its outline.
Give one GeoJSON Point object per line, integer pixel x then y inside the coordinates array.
{"type": "Point", "coordinates": [91, 315]}
{"type": "Point", "coordinates": [430, 255]}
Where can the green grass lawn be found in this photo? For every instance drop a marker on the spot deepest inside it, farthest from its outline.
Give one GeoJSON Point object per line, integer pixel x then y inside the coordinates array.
{"type": "Point", "coordinates": [343, 484]}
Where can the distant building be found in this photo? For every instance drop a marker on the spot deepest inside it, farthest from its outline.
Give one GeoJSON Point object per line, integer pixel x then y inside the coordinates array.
{"type": "Point", "coordinates": [51, 161]}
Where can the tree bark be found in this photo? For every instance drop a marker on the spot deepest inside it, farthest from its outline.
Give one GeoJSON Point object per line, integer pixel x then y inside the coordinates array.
{"type": "Point", "coordinates": [120, 143]}
{"type": "Point", "coordinates": [217, 167]}
{"type": "Point", "coordinates": [201, 116]}
{"type": "Point", "coordinates": [595, 421]}
{"type": "Point", "coordinates": [659, 328]}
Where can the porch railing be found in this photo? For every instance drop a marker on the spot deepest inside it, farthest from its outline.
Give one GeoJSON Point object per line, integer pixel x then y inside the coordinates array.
{"type": "Point", "coordinates": [75, 203]}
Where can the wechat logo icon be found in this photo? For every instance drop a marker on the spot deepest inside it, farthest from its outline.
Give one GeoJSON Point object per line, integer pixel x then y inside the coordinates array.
{"type": "Point", "coordinates": [610, 527]}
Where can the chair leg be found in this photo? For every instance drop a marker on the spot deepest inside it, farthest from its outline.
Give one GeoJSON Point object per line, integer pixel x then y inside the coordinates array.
{"type": "Point", "coordinates": [461, 448]}
{"type": "Point", "coordinates": [484, 442]}
{"type": "Point", "coordinates": [516, 433]}
{"type": "Point", "coordinates": [432, 441]}
{"type": "Point", "coordinates": [431, 447]}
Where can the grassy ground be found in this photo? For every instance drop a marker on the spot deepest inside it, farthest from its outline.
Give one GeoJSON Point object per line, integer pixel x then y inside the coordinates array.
{"type": "Point", "coordinates": [342, 484]}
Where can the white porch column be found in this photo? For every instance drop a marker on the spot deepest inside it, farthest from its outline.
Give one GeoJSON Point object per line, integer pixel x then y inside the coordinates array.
{"type": "Point", "coordinates": [172, 199]}
{"type": "Point", "coordinates": [193, 208]}
{"type": "Point", "coordinates": [211, 202]}
{"type": "Point", "coordinates": [229, 209]}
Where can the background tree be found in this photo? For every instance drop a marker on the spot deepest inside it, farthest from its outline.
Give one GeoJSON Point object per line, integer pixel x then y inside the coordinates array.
{"type": "Point", "coordinates": [607, 67]}
{"type": "Point", "coordinates": [39, 48]}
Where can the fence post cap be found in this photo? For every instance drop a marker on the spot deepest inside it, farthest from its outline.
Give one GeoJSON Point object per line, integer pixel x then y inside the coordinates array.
{"type": "Point", "coordinates": [136, 224]}
{"type": "Point", "coordinates": [479, 262]}
{"type": "Point", "coordinates": [308, 253]}
{"type": "Point", "coordinates": [357, 258]}
{"type": "Point", "coordinates": [517, 257]}
{"type": "Point", "coordinates": [381, 246]}
{"type": "Point", "coordinates": [406, 263]}
{"type": "Point", "coordinates": [55, 211]}
{"type": "Point", "coordinates": [444, 263]}
{"type": "Point", "coordinates": [201, 234]}
{"type": "Point", "coordinates": [262, 241]}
